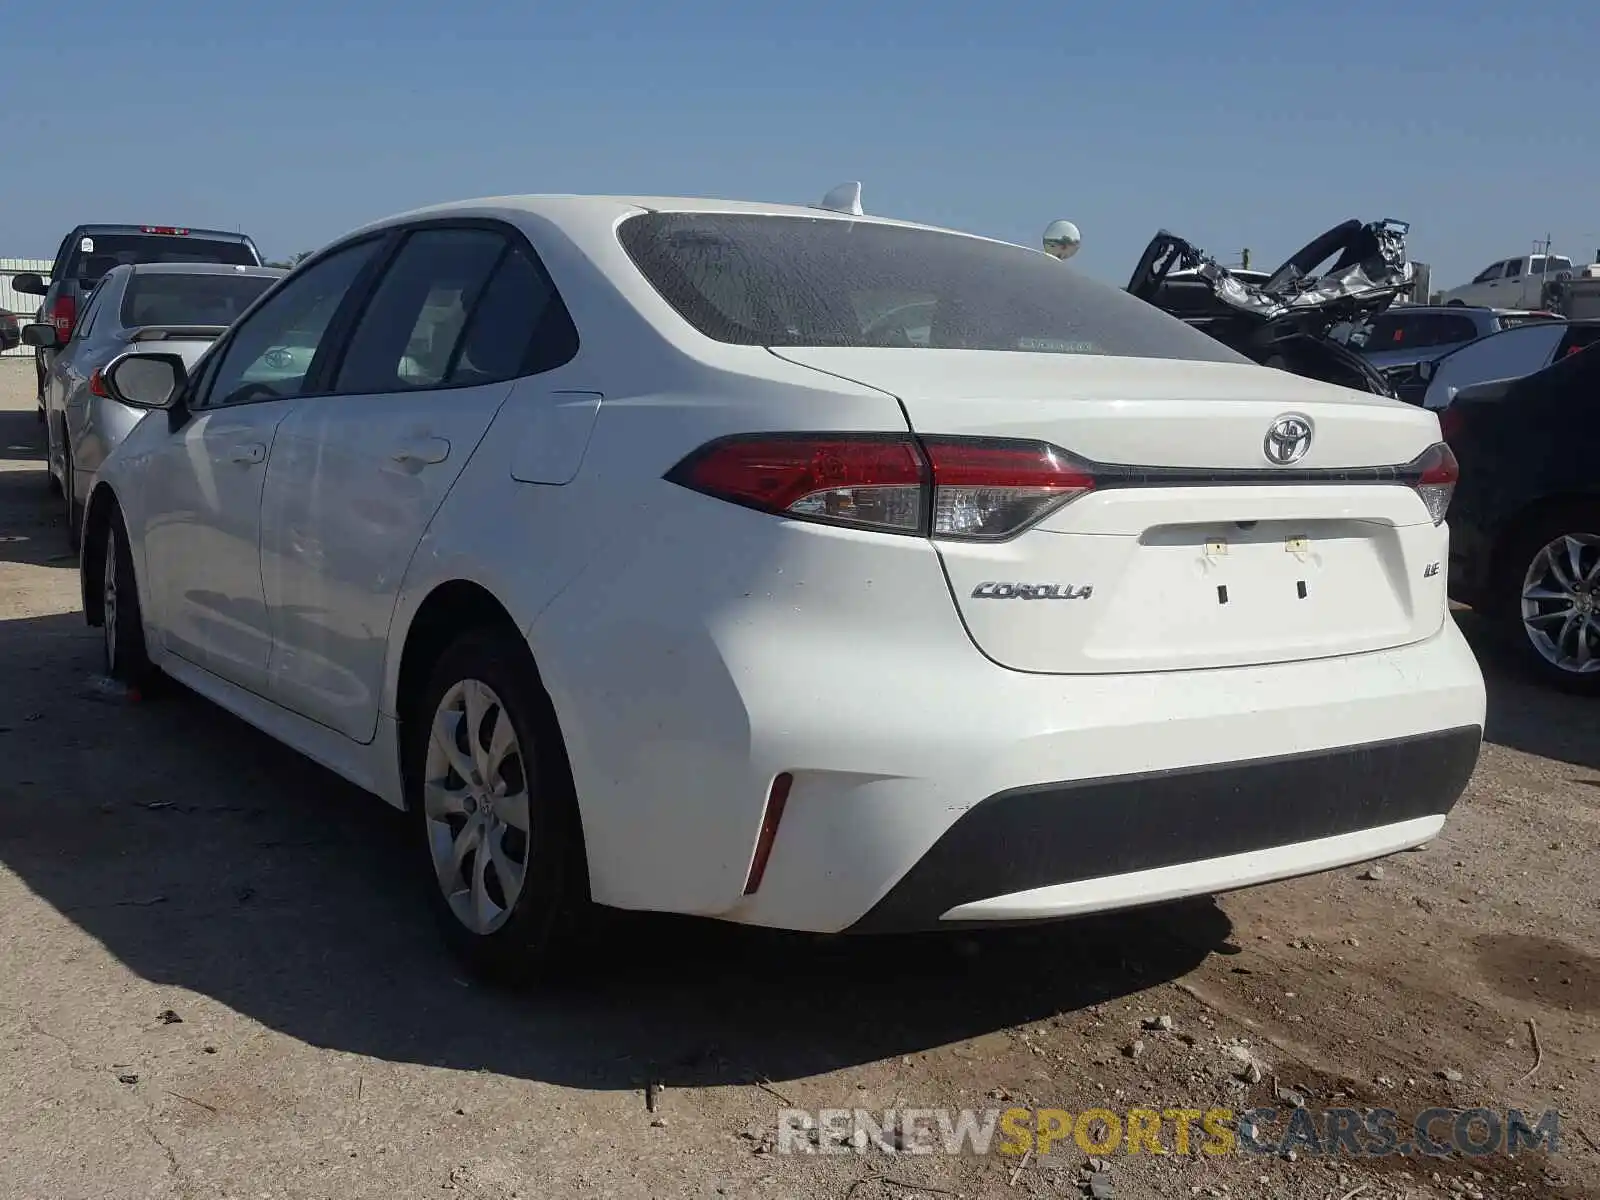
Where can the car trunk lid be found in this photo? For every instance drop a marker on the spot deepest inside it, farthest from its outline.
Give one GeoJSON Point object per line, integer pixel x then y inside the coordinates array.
{"type": "Point", "coordinates": [1194, 548]}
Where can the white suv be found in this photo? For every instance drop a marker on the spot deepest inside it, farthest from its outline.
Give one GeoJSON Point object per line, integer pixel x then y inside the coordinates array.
{"type": "Point", "coordinates": [660, 582]}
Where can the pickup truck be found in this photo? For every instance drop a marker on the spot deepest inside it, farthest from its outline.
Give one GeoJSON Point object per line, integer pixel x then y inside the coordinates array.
{"type": "Point", "coordinates": [1512, 282]}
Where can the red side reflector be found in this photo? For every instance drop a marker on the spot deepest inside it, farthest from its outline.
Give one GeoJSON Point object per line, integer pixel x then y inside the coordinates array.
{"type": "Point", "coordinates": [776, 799]}
{"type": "Point", "coordinates": [97, 384]}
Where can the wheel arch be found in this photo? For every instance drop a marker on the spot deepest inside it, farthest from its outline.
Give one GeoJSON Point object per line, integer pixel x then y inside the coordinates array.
{"type": "Point", "coordinates": [96, 520]}
{"type": "Point", "coordinates": [450, 609]}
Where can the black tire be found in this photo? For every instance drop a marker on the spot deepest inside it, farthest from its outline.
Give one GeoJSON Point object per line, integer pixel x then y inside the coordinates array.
{"type": "Point", "coordinates": [1455, 303]}
{"type": "Point", "coordinates": [551, 911]}
{"type": "Point", "coordinates": [1513, 566]}
{"type": "Point", "coordinates": [74, 511]}
{"type": "Point", "coordinates": [51, 483]}
{"type": "Point", "coordinates": [122, 622]}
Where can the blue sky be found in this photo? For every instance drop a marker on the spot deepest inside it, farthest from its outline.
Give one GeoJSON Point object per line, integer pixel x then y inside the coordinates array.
{"type": "Point", "coordinates": [1235, 123]}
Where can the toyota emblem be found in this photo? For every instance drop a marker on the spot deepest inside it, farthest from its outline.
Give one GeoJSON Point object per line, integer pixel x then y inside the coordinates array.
{"type": "Point", "coordinates": [1288, 439]}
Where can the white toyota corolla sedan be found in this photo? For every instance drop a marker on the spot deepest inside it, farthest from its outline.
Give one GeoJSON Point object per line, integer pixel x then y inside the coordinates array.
{"type": "Point", "coordinates": [642, 552]}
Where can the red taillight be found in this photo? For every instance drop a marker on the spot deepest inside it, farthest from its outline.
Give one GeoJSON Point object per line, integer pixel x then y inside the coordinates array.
{"type": "Point", "coordinates": [969, 488]}
{"type": "Point", "coordinates": [986, 490]}
{"type": "Point", "coordinates": [63, 315]}
{"type": "Point", "coordinates": [1435, 474]}
{"type": "Point", "coordinates": [871, 481]}
{"type": "Point", "coordinates": [97, 384]}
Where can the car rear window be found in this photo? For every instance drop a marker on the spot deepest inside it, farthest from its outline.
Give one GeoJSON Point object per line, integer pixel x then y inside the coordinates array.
{"type": "Point", "coordinates": [105, 251]}
{"type": "Point", "coordinates": [759, 280]}
{"type": "Point", "coordinates": [189, 298]}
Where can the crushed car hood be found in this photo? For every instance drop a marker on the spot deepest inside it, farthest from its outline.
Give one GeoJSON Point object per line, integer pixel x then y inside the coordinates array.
{"type": "Point", "coordinates": [1369, 271]}
{"type": "Point", "coordinates": [1284, 320]}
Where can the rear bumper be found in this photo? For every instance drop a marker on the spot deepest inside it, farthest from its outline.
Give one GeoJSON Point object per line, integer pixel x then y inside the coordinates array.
{"type": "Point", "coordinates": [1085, 845]}
{"type": "Point", "coordinates": [839, 660]}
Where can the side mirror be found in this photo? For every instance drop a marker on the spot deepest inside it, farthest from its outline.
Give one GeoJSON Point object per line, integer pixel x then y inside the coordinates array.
{"type": "Point", "coordinates": [1061, 239]}
{"type": "Point", "coordinates": [29, 284]}
{"type": "Point", "coordinates": [146, 380]}
{"type": "Point", "coordinates": [41, 334]}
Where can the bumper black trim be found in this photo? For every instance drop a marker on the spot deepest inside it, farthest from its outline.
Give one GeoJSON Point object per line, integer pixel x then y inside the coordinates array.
{"type": "Point", "coordinates": [1056, 833]}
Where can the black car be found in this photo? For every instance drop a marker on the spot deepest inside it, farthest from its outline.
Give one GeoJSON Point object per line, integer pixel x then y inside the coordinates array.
{"type": "Point", "coordinates": [1525, 517]}
{"type": "Point", "coordinates": [89, 251]}
{"type": "Point", "coordinates": [10, 330]}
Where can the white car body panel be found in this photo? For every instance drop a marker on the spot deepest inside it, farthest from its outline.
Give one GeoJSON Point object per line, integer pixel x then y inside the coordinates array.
{"type": "Point", "coordinates": [695, 649]}
{"type": "Point", "coordinates": [353, 484]}
{"type": "Point", "coordinates": [202, 546]}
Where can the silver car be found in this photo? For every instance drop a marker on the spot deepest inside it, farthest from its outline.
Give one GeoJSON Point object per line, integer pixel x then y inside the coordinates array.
{"type": "Point", "coordinates": [177, 308]}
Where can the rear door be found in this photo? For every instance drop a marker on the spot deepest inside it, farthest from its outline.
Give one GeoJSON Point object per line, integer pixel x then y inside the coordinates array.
{"type": "Point", "coordinates": [461, 314]}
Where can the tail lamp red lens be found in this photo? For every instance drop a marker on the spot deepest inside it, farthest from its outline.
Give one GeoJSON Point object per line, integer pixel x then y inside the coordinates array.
{"type": "Point", "coordinates": [963, 488]}
{"type": "Point", "coordinates": [1435, 472]}
{"type": "Point", "coordinates": [97, 384]}
{"type": "Point", "coordinates": [64, 315]}
{"type": "Point", "coordinates": [968, 488]}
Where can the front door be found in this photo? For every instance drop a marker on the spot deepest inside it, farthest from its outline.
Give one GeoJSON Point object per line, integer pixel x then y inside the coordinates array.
{"type": "Point", "coordinates": [202, 543]}
{"type": "Point", "coordinates": [358, 474]}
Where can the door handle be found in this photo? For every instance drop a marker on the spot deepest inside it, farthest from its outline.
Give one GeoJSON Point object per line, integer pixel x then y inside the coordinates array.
{"type": "Point", "coordinates": [421, 451]}
{"type": "Point", "coordinates": [253, 453]}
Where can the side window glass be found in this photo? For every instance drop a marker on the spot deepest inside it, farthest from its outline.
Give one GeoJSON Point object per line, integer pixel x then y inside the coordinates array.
{"type": "Point", "coordinates": [91, 312]}
{"type": "Point", "coordinates": [519, 326]}
{"type": "Point", "coordinates": [1513, 268]}
{"type": "Point", "coordinates": [1490, 272]}
{"type": "Point", "coordinates": [1387, 332]}
{"type": "Point", "coordinates": [408, 334]}
{"type": "Point", "coordinates": [271, 353]}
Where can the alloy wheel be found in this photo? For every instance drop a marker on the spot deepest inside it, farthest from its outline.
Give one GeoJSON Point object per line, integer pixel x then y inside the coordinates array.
{"type": "Point", "coordinates": [476, 806]}
{"type": "Point", "coordinates": [1561, 603]}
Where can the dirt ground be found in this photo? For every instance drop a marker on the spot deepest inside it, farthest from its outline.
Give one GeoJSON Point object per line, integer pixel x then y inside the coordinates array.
{"type": "Point", "coordinates": [220, 981]}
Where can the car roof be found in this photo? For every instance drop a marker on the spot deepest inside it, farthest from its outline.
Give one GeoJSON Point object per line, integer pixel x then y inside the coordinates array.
{"type": "Point", "coordinates": [200, 268]}
{"type": "Point", "coordinates": [188, 230]}
{"type": "Point", "coordinates": [560, 208]}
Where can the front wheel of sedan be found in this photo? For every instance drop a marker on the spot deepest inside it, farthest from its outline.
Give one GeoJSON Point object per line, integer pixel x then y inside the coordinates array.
{"type": "Point", "coordinates": [1551, 580]}
{"type": "Point", "coordinates": [491, 801]}
{"type": "Point", "coordinates": [121, 620]}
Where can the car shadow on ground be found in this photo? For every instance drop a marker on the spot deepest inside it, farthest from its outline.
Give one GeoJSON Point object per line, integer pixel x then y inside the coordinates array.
{"type": "Point", "coordinates": [32, 519]}
{"type": "Point", "coordinates": [1526, 714]}
{"type": "Point", "coordinates": [202, 855]}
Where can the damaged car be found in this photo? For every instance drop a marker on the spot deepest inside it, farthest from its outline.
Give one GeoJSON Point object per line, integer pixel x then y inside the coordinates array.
{"type": "Point", "coordinates": [1284, 320]}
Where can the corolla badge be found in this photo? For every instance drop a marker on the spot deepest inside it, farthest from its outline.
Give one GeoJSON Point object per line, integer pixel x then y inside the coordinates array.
{"type": "Point", "coordinates": [993, 590]}
{"type": "Point", "coordinates": [1287, 440]}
